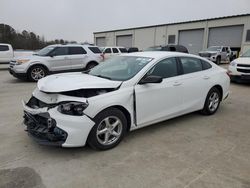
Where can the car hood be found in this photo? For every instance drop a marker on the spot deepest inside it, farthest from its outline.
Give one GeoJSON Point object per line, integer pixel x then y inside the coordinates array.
{"type": "Point", "coordinates": [74, 81]}
{"type": "Point", "coordinates": [243, 60]}
{"type": "Point", "coordinates": [210, 52]}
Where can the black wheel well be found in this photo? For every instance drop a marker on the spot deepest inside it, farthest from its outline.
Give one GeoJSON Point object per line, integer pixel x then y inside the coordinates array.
{"type": "Point", "coordinates": [94, 62]}
{"type": "Point", "coordinates": [125, 112]}
{"type": "Point", "coordinates": [46, 68]}
{"type": "Point", "coordinates": [220, 90]}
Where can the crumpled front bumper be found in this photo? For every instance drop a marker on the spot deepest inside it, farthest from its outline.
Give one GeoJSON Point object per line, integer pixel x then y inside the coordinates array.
{"type": "Point", "coordinates": [50, 127]}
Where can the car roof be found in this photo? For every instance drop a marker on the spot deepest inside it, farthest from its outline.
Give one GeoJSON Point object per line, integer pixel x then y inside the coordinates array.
{"type": "Point", "coordinates": [159, 54]}
{"type": "Point", "coordinates": [86, 45]}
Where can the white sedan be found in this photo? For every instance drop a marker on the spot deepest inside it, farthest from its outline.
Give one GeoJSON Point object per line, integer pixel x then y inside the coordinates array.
{"type": "Point", "coordinates": [122, 94]}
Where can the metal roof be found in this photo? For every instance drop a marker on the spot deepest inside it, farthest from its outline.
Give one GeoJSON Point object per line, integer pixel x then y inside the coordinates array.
{"type": "Point", "coordinates": [144, 27]}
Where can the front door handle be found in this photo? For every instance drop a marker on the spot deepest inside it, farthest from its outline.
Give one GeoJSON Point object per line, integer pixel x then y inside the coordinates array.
{"type": "Point", "coordinates": [177, 83]}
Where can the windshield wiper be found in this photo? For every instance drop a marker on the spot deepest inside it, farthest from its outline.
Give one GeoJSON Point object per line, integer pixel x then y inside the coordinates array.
{"type": "Point", "coordinates": [101, 76]}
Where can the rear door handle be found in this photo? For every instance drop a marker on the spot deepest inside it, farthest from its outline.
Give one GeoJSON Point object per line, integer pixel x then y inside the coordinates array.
{"type": "Point", "coordinates": [206, 77]}
{"type": "Point", "coordinates": [177, 83]}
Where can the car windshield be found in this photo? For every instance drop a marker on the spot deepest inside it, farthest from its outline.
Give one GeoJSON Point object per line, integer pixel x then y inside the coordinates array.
{"type": "Point", "coordinates": [246, 54]}
{"type": "Point", "coordinates": [120, 68]}
{"type": "Point", "coordinates": [154, 48]}
{"type": "Point", "coordinates": [214, 48]}
{"type": "Point", "coordinates": [45, 51]}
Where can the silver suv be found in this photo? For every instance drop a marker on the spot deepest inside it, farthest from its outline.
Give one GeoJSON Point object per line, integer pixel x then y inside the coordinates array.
{"type": "Point", "coordinates": [218, 54]}
{"type": "Point", "coordinates": [56, 59]}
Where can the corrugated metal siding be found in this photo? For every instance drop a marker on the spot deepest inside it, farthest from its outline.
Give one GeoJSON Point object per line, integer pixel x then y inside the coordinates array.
{"type": "Point", "coordinates": [124, 40]}
{"type": "Point", "coordinates": [192, 40]}
{"type": "Point", "coordinates": [226, 36]}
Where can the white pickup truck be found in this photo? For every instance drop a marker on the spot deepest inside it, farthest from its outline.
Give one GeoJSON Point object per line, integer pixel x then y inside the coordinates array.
{"type": "Point", "coordinates": [218, 54]}
{"type": "Point", "coordinates": [6, 53]}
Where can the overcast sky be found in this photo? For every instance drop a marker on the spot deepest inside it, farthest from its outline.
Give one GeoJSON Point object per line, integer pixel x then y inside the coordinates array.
{"type": "Point", "coordinates": [78, 19]}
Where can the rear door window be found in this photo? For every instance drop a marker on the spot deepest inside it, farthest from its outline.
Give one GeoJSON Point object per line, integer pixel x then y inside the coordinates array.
{"type": "Point", "coordinates": [76, 51]}
{"type": "Point", "coordinates": [123, 50]}
{"type": "Point", "coordinates": [190, 65]}
{"type": "Point", "coordinates": [115, 50]}
{"type": "Point", "coordinates": [4, 48]}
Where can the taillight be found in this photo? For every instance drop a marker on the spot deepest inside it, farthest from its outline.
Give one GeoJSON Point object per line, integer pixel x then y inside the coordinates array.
{"type": "Point", "coordinates": [102, 55]}
{"type": "Point", "coordinates": [229, 73]}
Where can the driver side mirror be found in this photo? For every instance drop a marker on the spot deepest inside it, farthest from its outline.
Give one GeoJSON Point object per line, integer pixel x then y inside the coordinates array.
{"type": "Point", "coordinates": [151, 79]}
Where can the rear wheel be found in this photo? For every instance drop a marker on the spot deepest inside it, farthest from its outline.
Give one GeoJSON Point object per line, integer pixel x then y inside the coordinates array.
{"type": "Point", "coordinates": [110, 128]}
{"type": "Point", "coordinates": [212, 102]}
{"type": "Point", "coordinates": [90, 65]}
{"type": "Point", "coordinates": [36, 73]}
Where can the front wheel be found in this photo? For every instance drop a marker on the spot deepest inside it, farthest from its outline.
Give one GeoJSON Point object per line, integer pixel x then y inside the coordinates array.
{"type": "Point", "coordinates": [212, 102]}
{"type": "Point", "coordinates": [218, 60]}
{"type": "Point", "coordinates": [90, 65]}
{"type": "Point", "coordinates": [36, 73]}
{"type": "Point", "coordinates": [110, 128]}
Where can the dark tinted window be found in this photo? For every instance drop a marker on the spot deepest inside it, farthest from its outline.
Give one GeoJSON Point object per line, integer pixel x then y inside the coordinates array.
{"type": "Point", "coordinates": [172, 48]}
{"type": "Point", "coordinates": [248, 36]}
{"type": "Point", "coordinates": [115, 50]}
{"type": "Point", "coordinates": [95, 50]}
{"type": "Point", "coordinates": [166, 68]}
{"type": "Point", "coordinates": [60, 51]}
{"type": "Point", "coordinates": [4, 48]}
{"type": "Point", "coordinates": [171, 39]}
{"type": "Point", "coordinates": [76, 51]}
{"type": "Point", "coordinates": [123, 50]}
{"type": "Point", "coordinates": [190, 65]}
{"type": "Point", "coordinates": [107, 51]}
{"type": "Point", "coordinates": [224, 49]}
{"type": "Point", "coordinates": [206, 65]}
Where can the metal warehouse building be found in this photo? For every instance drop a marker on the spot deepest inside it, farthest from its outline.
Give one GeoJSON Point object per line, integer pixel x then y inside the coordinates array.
{"type": "Point", "coordinates": [233, 31]}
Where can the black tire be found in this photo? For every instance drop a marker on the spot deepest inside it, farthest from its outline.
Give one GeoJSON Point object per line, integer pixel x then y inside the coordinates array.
{"type": "Point", "coordinates": [90, 65]}
{"type": "Point", "coordinates": [94, 140]}
{"type": "Point", "coordinates": [218, 60]}
{"type": "Point", "coordinates": [36, 68]}
{"type": "Point", "coordinates": [207, 109]}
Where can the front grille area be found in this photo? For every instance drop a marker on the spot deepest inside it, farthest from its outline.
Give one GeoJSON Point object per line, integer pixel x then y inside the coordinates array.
{"type": "Point", "coordinates": [36, 103]}
{"type": "Point", "coordinates": [244, 70]}
{"type": "Point", "coordinates": [43, 129]}
{"type": "Point", "coordinates": [243, 65]}
{"type": "Point", "coordinates": [204, 54]}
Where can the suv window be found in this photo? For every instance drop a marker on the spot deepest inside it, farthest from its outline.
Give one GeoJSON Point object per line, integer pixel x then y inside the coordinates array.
{"type": "Point", "coordinates": [166, 68]}
{"type": "Point", "coordinates": [107, 51]}
{"type": "Point", "coordinates": [95, 50]}
{"type": "Point", "coordinates": [4, 48]}
{"type": "Point", "coordinates": [123, 50]}
{"type": "Point", "coordinates": [76, 50]}
{"type": "Point", "coordinates": [115, 50]}
{"type": "Point", "coordinates": [190, 65]}
{"type": "Point", "coordinates": [59, 51]}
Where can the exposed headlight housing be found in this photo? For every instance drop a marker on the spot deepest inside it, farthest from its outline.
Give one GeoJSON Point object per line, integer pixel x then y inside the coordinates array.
{"type": "Point", "coordinates": [72, 108]}
{"type": "Point", "coordinates": [21, 61]}
{"type": "Point", "coordinates": [233, 63]}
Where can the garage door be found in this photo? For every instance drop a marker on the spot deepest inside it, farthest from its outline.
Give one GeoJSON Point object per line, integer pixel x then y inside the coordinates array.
{"type": "Point", "coordinates": [226, 36]}
{"type": "Point", "coordinates": [100, 41]}
{"type": "Point", "coordinates": [124, 40]}
{"type": "Point", "coordinates": [192, 40]}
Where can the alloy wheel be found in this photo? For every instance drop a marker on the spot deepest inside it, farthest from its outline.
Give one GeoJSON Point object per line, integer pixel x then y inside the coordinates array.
{"type": "Point", "coordinates": [214, 101]}
{"type": "Point", "coordinates": [37, 73]}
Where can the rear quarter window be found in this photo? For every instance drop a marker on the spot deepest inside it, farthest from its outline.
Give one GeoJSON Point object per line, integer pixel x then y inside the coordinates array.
{"type": "Point", "coordinates": [4, 48]}
{"type": "Point", "coordinates": [95, 50]}
{"type": "Point", "coordinates": [206, 65]}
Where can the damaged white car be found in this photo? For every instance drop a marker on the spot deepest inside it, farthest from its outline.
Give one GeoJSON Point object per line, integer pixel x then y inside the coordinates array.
{"type": "Point", "coordinates": [120, 95]}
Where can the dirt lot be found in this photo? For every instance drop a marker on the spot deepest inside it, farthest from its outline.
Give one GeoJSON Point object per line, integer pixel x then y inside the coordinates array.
{"type": "Point", "coordinates": [190, 151]}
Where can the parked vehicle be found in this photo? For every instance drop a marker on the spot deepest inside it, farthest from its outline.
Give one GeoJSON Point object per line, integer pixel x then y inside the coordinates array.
{"type": "Point", "coordinates": [218, 54]}
{"type": "Point", "coordinates": [6, 53]}
{"type": "Point", "coordinates": [239, 69]}
{"type": "Point", "coordinates": [133, 49]}
{"type": "Point", "coordinates": [122, 94]}
{"type": "Point", "coordinates": [170, 48]}
{"type": "Point", "coordinates": [55, 59]}
{"type": "Point", "coordinates": [112, 51]}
